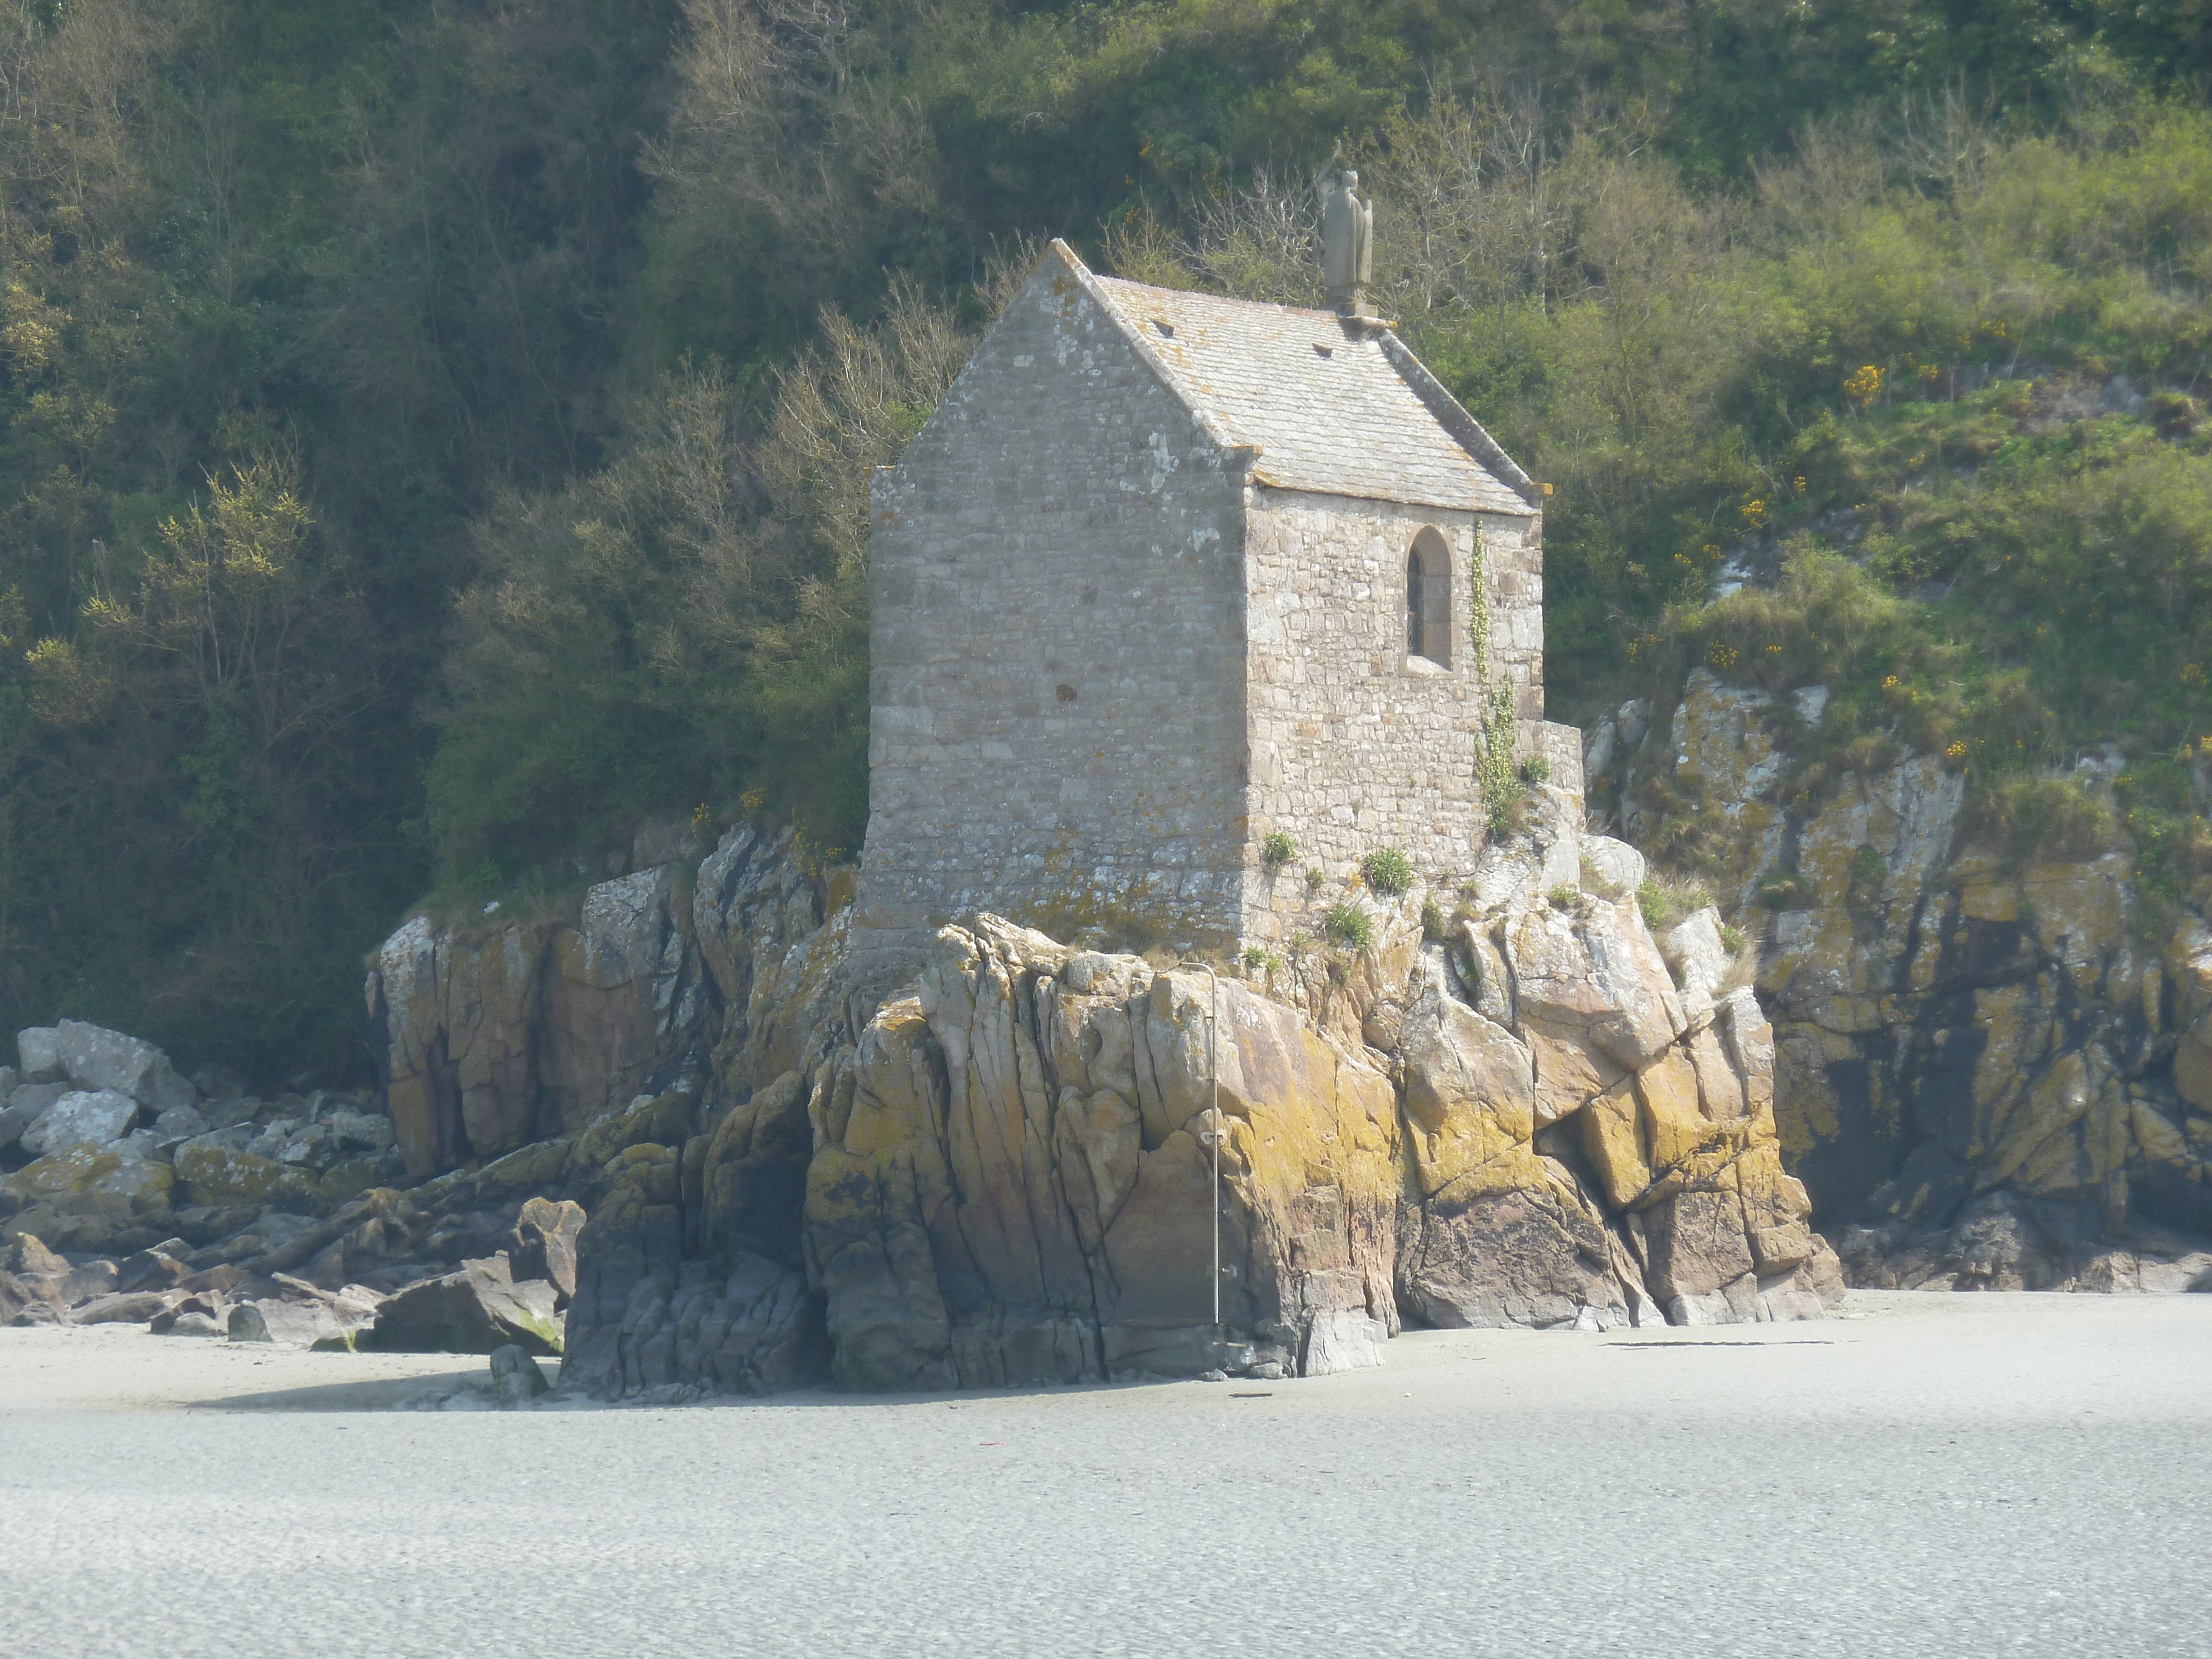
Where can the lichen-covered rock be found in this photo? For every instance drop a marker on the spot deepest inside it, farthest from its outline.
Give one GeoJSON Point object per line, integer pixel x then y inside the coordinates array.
{"type": "Point", "coordinates": [96, 1117]}
{"type": "Point", "coordinates": [1013, 1178]}
{"type": "Point", "coordinates": [212, 1173]}
{"type": "Point", "coordinates": [96, 1058]}
{"type": "Point", "coordinates": [1975, 1049]}
{"type": "Point", "coordinates": [88, 1197]}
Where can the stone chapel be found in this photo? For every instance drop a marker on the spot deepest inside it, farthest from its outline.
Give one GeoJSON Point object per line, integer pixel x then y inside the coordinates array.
{"type": "Point", "coordinates": [1166, 575]}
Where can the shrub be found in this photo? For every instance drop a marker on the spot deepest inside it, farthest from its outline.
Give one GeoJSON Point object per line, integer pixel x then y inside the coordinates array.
{"type": "Point", "coordinates": [2052, 816]}
{"type": "Point", "coordinates": [1434, 922]}
{"type": "Point", "coordinates": [1732, 940]}
{"type": "Point", "coordinates": [1348, 924]}
{"type": "Point", "coordinates": [1279, 849]}
{"type": "Point", "coordinates": [1388, 872]}
{"type": "Point", "coordinates": [1535, 770]}
{"type": "Point", "coordinates": [1315, 878]}
{"type": "Point", "coordinates": [1255, 956]}
{"type": "Point", "coordinates": [1563, 897]}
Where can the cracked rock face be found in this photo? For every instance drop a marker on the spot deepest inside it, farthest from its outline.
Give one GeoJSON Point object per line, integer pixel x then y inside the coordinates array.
{"type": "Point", "coordinates": [1992, 1070]}
{"type": "Point", "coordinates": [1013, 1180]}
{"type": "Point", "coordinates": [500, 1033]}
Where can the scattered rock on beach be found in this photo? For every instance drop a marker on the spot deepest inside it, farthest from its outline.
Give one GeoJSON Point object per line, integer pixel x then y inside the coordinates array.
{"type": "Point", "coordinates": [474, 1310]}
{"type": "Point", "coordinates": [515, 1377]}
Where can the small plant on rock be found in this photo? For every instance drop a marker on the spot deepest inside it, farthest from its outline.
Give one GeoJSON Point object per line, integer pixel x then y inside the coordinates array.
{"type": "Point", "coordinates": [1786, 892]}
{"type": "Point", "coordinates": [1349, 925]}
{"type": "Point", "coordinates": [1535, 770]}
{"type": "Point", "coordinates": [1279, 849]}
{"type": "Point", "coordinates": [1315, 878]}
{"type": "Point", "coordinates": [1433, 921]}
{"type": "Point", "coordinates": [1254, 958]}
{"type": "Point", "coordinates": [1666, 900]}
{"type": "Point", "coordinates": [1565, 897]}
{"type": "Point", "coordinates": [1732, 940]}
{"type": "Point", "coordinates": [1388, 872]}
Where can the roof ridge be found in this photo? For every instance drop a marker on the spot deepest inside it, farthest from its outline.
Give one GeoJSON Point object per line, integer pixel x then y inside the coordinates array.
{"type": "Point", "coordinates": [1319, 313]}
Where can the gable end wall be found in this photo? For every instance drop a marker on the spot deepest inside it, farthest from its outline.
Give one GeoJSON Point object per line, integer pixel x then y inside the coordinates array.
{"type": "Point", "coordinates": [1057, 688]}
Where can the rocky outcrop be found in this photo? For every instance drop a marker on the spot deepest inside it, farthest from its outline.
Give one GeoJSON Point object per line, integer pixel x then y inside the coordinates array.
{"type": "Point", "coordinates": [1512, 1104]}
{"type": "Point", "coordinates": [1990, 1066]}
{"type": "Point", "coordinates": [1006, 1173]}
{"type": "Point", "coordinates": [508, 1031]}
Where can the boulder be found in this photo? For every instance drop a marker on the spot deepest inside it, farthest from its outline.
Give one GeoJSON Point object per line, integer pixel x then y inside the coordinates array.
{"type": "Point", "coordinates": [474, 1310]}
{"type": "Point", "coordinates": [215, 1310]}
{"type": "Point", "coordinates": [368, 1131]}
{"type": "Point", "coordinates": [25, 1253]}
{"type": "Point", "coordinates": [82, 1118]}
{"type": "Point", "coordinates": [97, 1059]}
{"type": "Point", "coordinates": [88, 1197]}
{"type": "Point", "coordinates": [18, 1297]}
{"type": "Point", "coordinates": [27, 1103]}
{"type": "Point", "coordinates": [214, 1173]}
{"type": "Point", "coordinates": [178, 1125]}
{"type": "Point", "coordinates": [120, 1307]}
{"type": "Point", "coordinates": [544, 1244]}
{"type": "Point", "coordinates": [1614, 869]}
{"type": "Point", "coordinates": [39, 1048]}
{"type": "Point", "coordinates": [87, 1279]}
{"type": "Point", "coordinates": [515, 1378]}
{"type": "Point", "coordinates": [154, 1269]}
{"type": "Point", "coordinates": [301, 1322]}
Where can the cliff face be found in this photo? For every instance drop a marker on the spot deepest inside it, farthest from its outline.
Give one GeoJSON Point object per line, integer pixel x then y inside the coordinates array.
{"type": "Point", "coordinates": [1517, 1113]}
{"type": "Point", "coordinates": [1991, 1071]}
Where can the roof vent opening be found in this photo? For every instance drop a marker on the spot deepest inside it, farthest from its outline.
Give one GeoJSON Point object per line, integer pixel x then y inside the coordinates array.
{"type": "Point", "coordinates": [1165, 328]}
{"type": "Point", "coordinates": [1326, 351]}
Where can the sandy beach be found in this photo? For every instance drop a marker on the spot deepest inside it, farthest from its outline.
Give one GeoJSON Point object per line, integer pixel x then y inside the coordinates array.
{"type": "Point", "coordinates": [1938, 1475]}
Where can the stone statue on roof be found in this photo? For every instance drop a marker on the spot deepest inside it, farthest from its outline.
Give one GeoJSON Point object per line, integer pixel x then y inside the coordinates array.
{"type": "Point", "coordinates": [1347, 247]}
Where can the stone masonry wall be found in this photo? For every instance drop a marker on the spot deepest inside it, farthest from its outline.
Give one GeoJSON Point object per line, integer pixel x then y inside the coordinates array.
{"type": "Point", "coordinates": [1355, 743]}
{"type": "Point", "coordinates": [1058, 696]}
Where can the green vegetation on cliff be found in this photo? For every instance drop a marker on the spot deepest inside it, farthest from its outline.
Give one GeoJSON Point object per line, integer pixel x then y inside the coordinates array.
{"type": "Point", "coordinates": [431, 437]}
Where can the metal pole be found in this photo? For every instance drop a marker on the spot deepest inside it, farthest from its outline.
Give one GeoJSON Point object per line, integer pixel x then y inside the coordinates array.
{"type": "Point", "coordinates": [1214, 1068]}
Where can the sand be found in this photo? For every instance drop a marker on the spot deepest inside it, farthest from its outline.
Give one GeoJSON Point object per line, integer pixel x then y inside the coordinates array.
{"type": "Point", "coordinates": [1939, 1475]}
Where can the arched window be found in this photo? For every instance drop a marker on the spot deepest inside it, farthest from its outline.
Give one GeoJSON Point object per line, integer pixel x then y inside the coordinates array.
{"type": "Point", "coordinates": [1416, 602]}
{"type": "Point", "coordinates": [1428, 599]}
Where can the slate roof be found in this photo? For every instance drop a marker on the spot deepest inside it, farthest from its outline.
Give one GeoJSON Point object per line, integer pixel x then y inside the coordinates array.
{"type": "Point", "coordinates": [1339, 408]}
